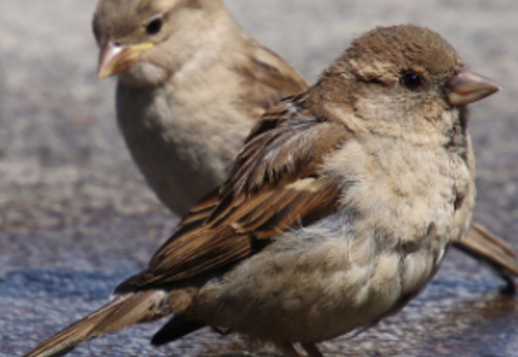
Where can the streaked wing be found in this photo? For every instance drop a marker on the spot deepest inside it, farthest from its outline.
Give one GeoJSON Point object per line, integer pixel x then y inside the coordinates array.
{"type": "Point", "coordinates": [276, 183]}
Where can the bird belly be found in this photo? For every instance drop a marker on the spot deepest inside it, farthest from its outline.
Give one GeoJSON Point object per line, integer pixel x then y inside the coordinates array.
{"type": "Point", "coordinates": [181, 159]}
{"type": "Point", "coordinates": [316, 283]}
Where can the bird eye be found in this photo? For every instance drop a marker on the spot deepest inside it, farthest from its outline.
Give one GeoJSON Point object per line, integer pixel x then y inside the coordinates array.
{"type": "Point", "coordinates": [411, 80]}
{"type": "Point", "coordinates": [154, 26]}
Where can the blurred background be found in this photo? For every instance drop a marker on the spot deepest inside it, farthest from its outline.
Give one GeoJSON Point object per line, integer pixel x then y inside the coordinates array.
{"type": "Point", "coordinates": [76, 217]}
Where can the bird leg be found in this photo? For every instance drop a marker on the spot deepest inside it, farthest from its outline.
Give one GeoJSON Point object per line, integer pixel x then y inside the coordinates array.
{"type": "Point", "coordinates": [312, 350]}
{"type": "Point", "coordinates": [287, 349]}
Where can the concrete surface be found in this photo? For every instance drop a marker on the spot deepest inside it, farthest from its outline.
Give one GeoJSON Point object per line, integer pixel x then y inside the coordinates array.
{"type": "Point", "coordinates": [76, 217]}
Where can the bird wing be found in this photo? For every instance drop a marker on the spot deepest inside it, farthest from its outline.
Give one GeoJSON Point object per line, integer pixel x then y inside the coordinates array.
{"type": "Point", "coordinates": [267, 79]}
{"type": "Point", "coordinates": [276, 182]}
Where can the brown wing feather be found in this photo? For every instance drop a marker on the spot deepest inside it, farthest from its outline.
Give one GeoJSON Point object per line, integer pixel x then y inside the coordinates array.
{"type": "Point", "coordinates": [253, 207]}
{"type": "Point", "coordinates": [267, 79]}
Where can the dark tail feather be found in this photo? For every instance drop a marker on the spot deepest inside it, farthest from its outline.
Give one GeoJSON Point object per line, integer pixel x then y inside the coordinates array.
{"type": "Point", "coordinates": [123, 312]}
{"type": "Point", "coordinates": [175, 329]}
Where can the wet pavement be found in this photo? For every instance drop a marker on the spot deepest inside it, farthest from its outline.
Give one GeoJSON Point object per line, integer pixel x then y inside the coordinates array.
{"type": "Point", "coordinates": [76, 217]}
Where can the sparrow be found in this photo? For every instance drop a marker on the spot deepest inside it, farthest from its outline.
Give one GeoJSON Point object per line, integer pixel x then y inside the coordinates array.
{"type": "Point", "coordinates": [337, 211]}
{"type": "Point", "coordinates": [191, 85]}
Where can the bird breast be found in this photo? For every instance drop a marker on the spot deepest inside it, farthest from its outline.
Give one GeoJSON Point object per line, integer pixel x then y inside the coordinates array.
{"type": "Point", "coordinates": [356, 266]}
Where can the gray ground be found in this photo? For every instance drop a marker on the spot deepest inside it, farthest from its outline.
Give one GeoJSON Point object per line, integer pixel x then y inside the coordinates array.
{"type": "Point", "coordinates": [76, 217]}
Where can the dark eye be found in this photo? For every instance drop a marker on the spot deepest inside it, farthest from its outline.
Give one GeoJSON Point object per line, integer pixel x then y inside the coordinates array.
{"type": "Point", "coordinates": [154, 26]}
{"type": "Point", "coordinates": [411, 80]}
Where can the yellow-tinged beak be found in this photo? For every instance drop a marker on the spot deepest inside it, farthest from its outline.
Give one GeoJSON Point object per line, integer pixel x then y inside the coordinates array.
{"type": "Point", "coordinates": [467, 87]}
{"type": "Point", "coordinates": [115, 58]}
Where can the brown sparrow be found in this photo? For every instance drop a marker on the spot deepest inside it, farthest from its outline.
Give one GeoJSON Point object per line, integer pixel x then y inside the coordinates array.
{"type": "Point", "coordinates": [191, 85]}
{"type": "Point", "coordinates": [335, 214]}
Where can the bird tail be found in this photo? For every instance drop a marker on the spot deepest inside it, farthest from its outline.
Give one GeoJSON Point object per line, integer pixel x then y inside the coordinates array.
{"type": "Point", "coordinates": [124, 311]}
{"type": "Point", "coordinates": [483, 245]}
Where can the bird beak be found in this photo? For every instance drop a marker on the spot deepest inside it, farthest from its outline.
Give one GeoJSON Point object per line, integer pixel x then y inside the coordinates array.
{"type": "Point", "coordinates": [467, 87]}
{"type": "Point", "coordinates": [115, 58]}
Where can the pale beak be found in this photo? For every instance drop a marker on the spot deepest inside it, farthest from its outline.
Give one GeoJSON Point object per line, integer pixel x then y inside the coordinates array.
{"type": "Point", "coordinates": [116, 58]}
{"type": "Point", "coordinates": [467, 87]}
